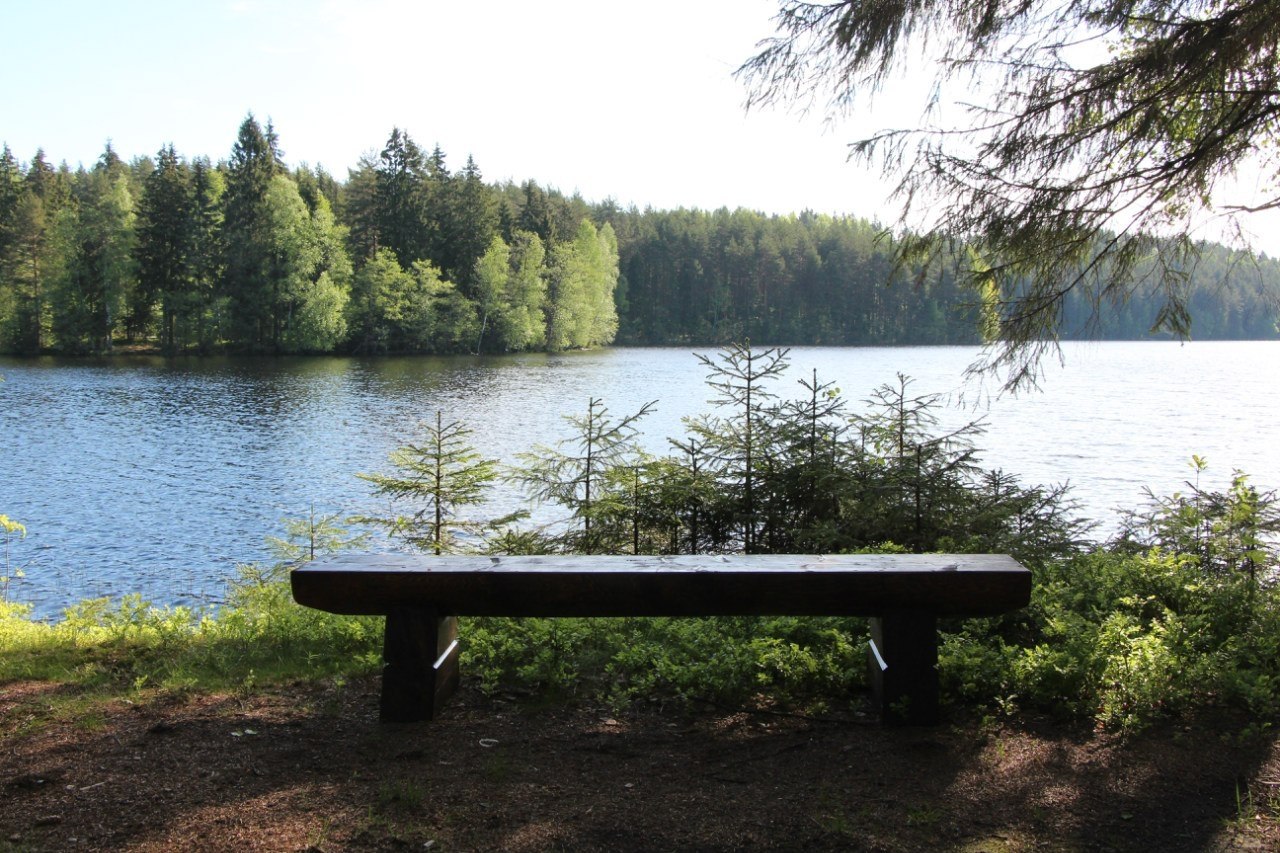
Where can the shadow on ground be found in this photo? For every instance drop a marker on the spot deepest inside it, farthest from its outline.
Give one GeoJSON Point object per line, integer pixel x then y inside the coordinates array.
{"type": "Point", "coordinates": [309, 768]}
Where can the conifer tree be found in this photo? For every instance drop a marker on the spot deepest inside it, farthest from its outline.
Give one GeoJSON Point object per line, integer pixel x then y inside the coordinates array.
{"type": "Point", "coordinates": [536, 215]}
{"type": "Point", "coordinates": [247, 239]}
{"type": "Point", "coordinates": [923, 474]}
{"type": "Point", "coordinates": [11, 192]}
{"type": "Point", "coordinates": [572, 472]}
{"type": "Point", "coordinates": [470, 225]}
{"type": "Point", "coordinates": [205, 254]}
{"type": "Point", "coordinates": [439, 190]}
{"type": "Point", "coordinates": [435, 478]}
{"type": "Point", "coordinates": [166, 217]}
{"type": "Point", "coordinates": [741, 442]}
{"type": "Point", "coordinates": [813, 467]}
{"type": "Point", "coordinates": [401, 199]}
{"type": "Point", "coordinates": [100, 274]}
{"type": "Point", "coordinates": [36, 253]}
{"type": "Point", "coordinates": [360, 204]}
{"type": "Point", "coordinates": [1093, 140]}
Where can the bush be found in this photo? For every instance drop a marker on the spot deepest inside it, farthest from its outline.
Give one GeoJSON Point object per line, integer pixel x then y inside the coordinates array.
{"type": "Point", "coordinates": [726, 659]}
{"type": "Point", "coordinates": [1126, 639]}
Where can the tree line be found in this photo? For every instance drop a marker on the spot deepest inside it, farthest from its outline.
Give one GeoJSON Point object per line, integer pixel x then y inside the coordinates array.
{"type": "Point", "coordinates": [699, 277]}
{"type": "Point", "coordinates": [405, 256]}
{"type": "Point", "coordinates": [246, 254]}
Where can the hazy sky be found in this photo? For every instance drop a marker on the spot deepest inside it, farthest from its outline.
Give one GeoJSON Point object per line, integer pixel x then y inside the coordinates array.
{"type": "Point", "coordinates": [630, 100]}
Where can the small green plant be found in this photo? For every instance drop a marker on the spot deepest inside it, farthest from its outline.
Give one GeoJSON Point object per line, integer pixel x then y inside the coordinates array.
{"type": "Point", "coordinates": [1234, 530]}
{"type": "Point", "coordinates": [436, 478]}
{"type": "Point", "coordinates": [10, 529]}
{"type": "Point", "coordinates": [401, 795]}
{"type": "Point", "coordinates": [578, 471]}
{"type": "Point", "coordinates": [315, 535]}
{"type": "Point", "coordinates": [924, 815]}
{"type": "Point", "coordinates": [832, 815]}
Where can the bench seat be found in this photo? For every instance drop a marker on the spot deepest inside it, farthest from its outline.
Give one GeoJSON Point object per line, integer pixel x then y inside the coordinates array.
{"type": "Point", "coordinates": [421, 595]}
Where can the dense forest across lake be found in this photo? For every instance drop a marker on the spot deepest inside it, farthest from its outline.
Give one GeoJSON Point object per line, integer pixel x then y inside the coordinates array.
{"type": "Point", "coordinates": [407, 256]}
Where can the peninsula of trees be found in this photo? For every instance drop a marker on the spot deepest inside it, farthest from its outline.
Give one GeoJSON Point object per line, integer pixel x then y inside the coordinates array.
{"type": "Point", "coordinates": [406, 256]}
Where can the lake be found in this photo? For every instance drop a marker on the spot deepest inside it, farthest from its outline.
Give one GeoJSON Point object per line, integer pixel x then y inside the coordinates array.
{"type": "Point", "coordinates": [152, 475]}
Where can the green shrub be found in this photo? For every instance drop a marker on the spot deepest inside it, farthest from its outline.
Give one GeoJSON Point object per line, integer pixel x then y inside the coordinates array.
{"type": "Point", "coordinates": [131, 642]}
{"type": "Point", "coordinates": [1124, 640]}
{"type": "Point", "coordinates": [619, 660]}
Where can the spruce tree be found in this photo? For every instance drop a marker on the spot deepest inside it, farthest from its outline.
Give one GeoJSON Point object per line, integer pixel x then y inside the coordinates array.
{"type": "Point", "coordinates": [574, 471]}
{"type": "Point", "coordinates": [439, 189]}
{"type": "Point", "coordinates": [1095, 142]}
{"type": "Point", "coordinates": [742, 442]}
{"type": "Point", "coordinates": [166, 217]}
{"type": "Point", "coordinates": [11, 192]}
{"type": "Point", "coordinates": [536, 215]}
{"type": "Point", "coordinates": [247, 263]}
{"type": "Point", "coordinates": [205, 309]}
{"type": "Point", "coordinates": [470, 224]}
{"type": "Point", "coordinates": [401, 198]}
{"type": "Point", "coordinates": [36, 253]}
{"type": "Point", "coordinates": [435, 478]}
{"type": "Point", "coordinates": [360, 205]}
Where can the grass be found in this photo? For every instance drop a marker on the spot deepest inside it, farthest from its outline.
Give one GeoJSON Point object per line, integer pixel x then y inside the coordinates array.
{"type": "Point", "coordinates": [401, 795]}
{"type": "Point", "coordinates": [115, 648]}
{"type": "Point", "coordinates": [1112, 639]}
{"type": "Point", "coordinates": [80, 673]}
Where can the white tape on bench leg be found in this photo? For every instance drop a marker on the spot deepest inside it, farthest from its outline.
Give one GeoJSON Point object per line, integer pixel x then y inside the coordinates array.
{"type": "Point", "coordinates": [440, 660]}
{"type": "Point", "coordinates": [876, 652]}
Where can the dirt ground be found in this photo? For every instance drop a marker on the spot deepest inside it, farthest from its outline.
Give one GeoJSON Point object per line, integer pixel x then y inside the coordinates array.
{"type": "Point", "coordinates": [309, 768]}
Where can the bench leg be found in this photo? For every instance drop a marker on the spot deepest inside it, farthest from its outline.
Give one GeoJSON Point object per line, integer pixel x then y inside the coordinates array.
{"type": "Point", "coordinates": [420, 664]}
{"type": "Point", "coordinates": [903, 660]}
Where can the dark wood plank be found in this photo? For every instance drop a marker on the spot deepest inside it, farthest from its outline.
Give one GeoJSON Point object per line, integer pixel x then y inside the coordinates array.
{"type": "Point", "coordinates": [903, 667]}
{"type": "Point", "coordinates": [447, 670]}
{"type": "Point", "coordinates": [799, 585]}
{"type": "Point", "coordinates": [420, 664]}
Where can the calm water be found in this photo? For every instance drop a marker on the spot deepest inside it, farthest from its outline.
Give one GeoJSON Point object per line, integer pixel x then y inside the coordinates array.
{"type": "Point", "coordinates": [156, 476]}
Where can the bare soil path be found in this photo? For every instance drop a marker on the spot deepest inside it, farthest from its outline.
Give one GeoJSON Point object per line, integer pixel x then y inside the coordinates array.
{"type": "Point", "coordinates": [308, 768]}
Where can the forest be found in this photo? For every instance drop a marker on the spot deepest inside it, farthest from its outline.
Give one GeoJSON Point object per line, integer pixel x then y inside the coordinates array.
{"type": "Point", "coordinates": [247, 254]}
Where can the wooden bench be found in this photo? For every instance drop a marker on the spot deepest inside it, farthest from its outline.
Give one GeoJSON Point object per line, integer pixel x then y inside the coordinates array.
{"type": "Point", "coordinates": [421, 596]}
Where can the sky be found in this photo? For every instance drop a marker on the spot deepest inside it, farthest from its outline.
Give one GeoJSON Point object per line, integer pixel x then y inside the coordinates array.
{"type": "Point", "coordinates": [631, 101]}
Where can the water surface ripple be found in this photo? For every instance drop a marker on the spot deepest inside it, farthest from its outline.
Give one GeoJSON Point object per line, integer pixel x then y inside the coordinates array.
{"type": "Point", "coordinates": [142, 474]}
